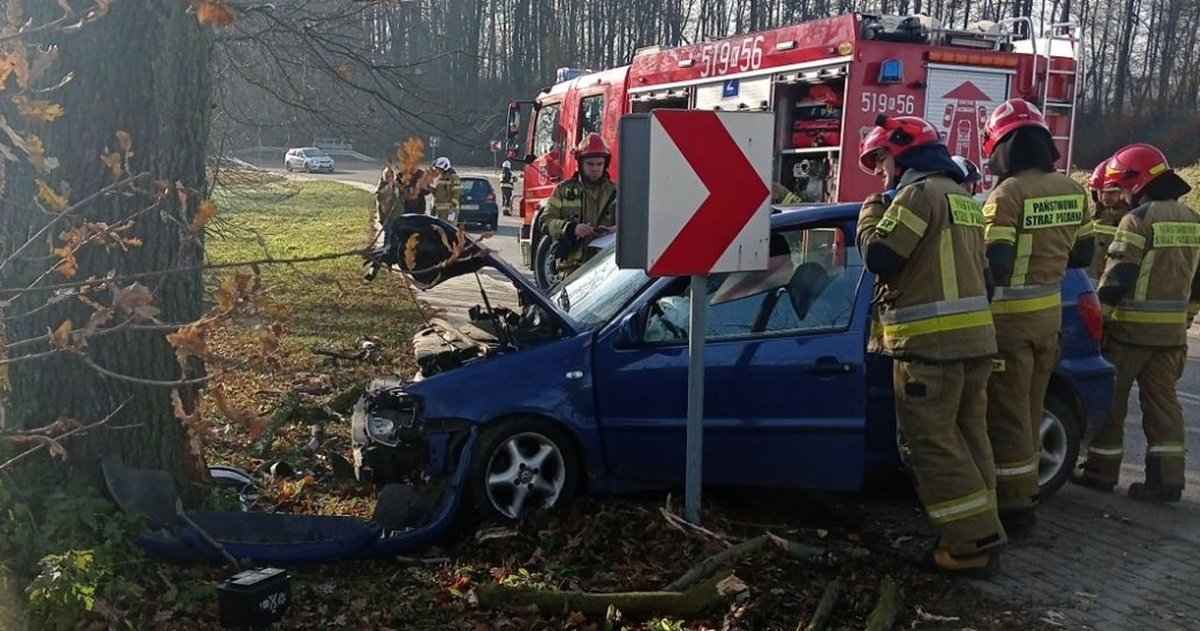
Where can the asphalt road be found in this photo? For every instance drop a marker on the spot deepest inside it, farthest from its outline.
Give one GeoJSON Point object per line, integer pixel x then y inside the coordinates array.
{"type": "Point", "coordinates": [505, 242]}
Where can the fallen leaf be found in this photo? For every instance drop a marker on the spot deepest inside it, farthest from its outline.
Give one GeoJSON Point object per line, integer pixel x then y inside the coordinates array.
{"type": "Point", "coordinates": [731, 585]}
{"type": "Point", "coordinates": [213, 12]}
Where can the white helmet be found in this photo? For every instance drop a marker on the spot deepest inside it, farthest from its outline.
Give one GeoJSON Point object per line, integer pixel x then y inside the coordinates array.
{"type": "Point", "coordinates": [507, 164]}
{"type": "Point", "coordinates": [970, 172]}
{"type": "Point", "coordinates": [442, 163]}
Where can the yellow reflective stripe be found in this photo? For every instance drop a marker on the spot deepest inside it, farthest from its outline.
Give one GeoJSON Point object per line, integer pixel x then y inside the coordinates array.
{"type": "Point", "coordinates": [1143, 281]}
{"type": "Point", "coordinates": [1017, 469]}
{"type": "Point", "coordinates": [1104, 229]}
{"type": "Point", "coordinates": [1021, 265]}
{"type": "Point", "coordinates": [961, 507]}
{"type": "Point", "coordinates": [1176, 234]}
{"type": "Point", "coordinates": [938, 324]}
{"type": "Point", "coordinates": [999, 234]}
{"type": "Point", "coordinates": [1085, 230]}
{"type": "Point", "coordinates": [1148, 317]}
{"type": "Point", "coordinates": [791, 198]}
{"type": "Point", "coordinates": [905, 217]}
{"type": "Point", "coordinates": [1105, 452]}
{"type": "Point", "coordinates": [1027, 305]}
{"type": "Point", "coordinates": [946, 259]}
{"type": "Point", "coordinates": [1132, 238]}
{"type": "Point", "coordinates": [1167, 449]}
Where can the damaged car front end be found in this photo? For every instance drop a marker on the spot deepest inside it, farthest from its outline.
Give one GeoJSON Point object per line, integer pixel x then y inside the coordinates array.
{"type": "Point", "coordinates": [415, 431]}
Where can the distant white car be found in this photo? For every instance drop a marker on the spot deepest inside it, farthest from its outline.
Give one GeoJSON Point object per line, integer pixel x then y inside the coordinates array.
{"type": "Point", "coordinates": [308, 159]}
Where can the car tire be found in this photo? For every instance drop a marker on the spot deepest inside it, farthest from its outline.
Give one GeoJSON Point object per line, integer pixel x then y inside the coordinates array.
{"type": "Point", "coordinates": [288, 166]}
{"type": "Point", "coordinates": [1059, 446]}
{"type": "Point", "coordinates": [527, 453]}
{"type": "Point", "coordinates": [544, 270]}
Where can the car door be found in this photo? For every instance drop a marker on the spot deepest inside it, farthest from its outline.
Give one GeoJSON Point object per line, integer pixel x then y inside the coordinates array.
{"type": "Point", "coordinates": [785, 384]}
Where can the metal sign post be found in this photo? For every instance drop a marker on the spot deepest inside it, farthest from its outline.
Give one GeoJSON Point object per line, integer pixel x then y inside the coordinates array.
{"type": "Point", "coordinates": [706, 176]}
{"type": "Point", "coordinates": [697, 326]}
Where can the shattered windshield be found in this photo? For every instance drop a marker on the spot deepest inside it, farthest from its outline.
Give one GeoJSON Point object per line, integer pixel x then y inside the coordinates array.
{"type": "Point", "coordinates": [598, 290]}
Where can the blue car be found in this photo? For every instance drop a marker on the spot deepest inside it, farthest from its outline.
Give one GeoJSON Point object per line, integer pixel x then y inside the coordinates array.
{"type": "Point", "coordinates": [586, 387]}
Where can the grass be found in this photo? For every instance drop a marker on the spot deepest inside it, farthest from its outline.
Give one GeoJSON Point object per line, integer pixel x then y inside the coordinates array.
{"type": "Point", "coordinates": [320, 303]}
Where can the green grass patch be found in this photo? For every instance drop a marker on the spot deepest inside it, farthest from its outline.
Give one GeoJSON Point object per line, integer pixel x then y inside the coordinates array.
{"type": "Point", "coordinates": [328, 301]}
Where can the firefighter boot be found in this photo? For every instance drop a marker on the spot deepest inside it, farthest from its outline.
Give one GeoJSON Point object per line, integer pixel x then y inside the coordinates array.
{"type": "Point", "coordinates": [1092, 482]}
{"type": "Point", "coordinates": [1153, 489]}
{"type": "Point", "coordinates": [1160, 493]}
{"type": "Point", "coordinates": [1019, 522]}
{"type": "Point", "coordinates": [980, 565]}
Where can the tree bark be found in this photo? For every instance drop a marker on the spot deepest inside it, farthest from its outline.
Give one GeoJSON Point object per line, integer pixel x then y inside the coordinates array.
{"type": "Point", "coordinates": [143, 69]}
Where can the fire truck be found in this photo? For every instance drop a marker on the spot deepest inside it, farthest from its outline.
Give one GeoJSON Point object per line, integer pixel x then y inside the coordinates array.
{"type": "Point", "coordinates": [826, 81]}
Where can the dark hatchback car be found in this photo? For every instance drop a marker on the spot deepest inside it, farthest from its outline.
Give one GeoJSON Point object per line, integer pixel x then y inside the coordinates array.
{"type": "Point", "coordinates": [478, 204]}
{"type": "Point", "coordinates": [587, 387]}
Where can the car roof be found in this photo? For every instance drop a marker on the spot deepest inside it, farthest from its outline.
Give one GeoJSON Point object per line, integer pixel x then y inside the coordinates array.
{"type": "Point", "coordinates": [783, 216]}
{"type": "Point", "coordinates": [474, 178]}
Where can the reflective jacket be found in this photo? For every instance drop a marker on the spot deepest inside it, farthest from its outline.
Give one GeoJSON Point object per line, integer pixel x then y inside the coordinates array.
{"type": "Point", "coordinates": [447, 191]}
{"type": "Point", "coordinates": [1105, 220]}
{"type": "Point", "coordinates": [926, 247]}
{"type": "Point", "coordinates": [1151, 275]}
{"type": "Point", "coordinates": [1039, 218]}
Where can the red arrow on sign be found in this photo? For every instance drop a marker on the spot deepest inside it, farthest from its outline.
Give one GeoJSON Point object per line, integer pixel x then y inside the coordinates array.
{"type": "Point", "coordinates": [735, 192]}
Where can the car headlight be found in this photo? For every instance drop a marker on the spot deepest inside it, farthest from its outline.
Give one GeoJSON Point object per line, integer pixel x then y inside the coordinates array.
{"type": "Point", "coordinates": [381, 429]}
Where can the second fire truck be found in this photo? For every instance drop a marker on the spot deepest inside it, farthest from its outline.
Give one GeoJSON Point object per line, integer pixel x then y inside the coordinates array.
{"type": "Point", "coordinates": [825, 80]}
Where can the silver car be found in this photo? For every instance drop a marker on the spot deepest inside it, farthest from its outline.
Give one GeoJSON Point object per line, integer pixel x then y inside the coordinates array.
{"type": "Point", "coordinates": [308, 159]}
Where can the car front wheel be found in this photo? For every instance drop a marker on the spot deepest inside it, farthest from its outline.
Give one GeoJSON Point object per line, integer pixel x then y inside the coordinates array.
{"type": "Point", "coordinates": [1059, 435]}
{"type": "Point", "coordinates": [522, 465]}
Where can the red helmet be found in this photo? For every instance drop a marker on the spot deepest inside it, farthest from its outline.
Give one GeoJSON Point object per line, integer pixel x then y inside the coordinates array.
{"type": "Point", "coordinates": [896, 134]}
{"type": "Point", "coordinates": [592, 146]}
{"type": "Point", "coordinates": [1008, 117]}
{"type": "Point", "coordinates": [1134, 166]}
{"type": "Point", "coordinates": [1097, 181]}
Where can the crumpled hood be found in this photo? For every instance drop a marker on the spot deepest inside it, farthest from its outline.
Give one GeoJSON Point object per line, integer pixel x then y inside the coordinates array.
{"type": "Point", "coordinates": [430, 251]}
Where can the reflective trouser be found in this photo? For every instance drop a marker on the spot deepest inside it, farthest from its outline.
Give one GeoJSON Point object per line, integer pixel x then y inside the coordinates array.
{"type": "Point", "coordinates": [1016, 396]}
{"type": "Point", "coordinates": [940, 411]}
{"type": "Point", "coordinates": [445, 211]}
{"type": "Point", "coordinates": [1156, 369]}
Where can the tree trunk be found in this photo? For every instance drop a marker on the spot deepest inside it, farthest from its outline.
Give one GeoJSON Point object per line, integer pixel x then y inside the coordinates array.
{"type": "Point", "coordinates": [143, 69]}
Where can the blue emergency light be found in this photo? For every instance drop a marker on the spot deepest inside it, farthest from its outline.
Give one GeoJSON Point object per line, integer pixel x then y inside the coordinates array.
{"type": "Point", "coordinates": [891, 71]}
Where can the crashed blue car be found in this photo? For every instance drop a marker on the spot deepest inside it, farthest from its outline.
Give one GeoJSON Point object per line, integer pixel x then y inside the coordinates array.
{"type": "Point", "coordinates": [585, 388]}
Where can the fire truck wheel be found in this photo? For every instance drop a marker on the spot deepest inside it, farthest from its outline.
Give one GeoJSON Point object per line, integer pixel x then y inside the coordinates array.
{"type": "Point", "coordinates": [544, 270]}
{"type": "Point", "coordinates": [521, 465]}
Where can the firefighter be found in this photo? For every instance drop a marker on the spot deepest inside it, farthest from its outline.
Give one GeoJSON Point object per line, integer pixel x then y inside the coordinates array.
{"type": "Point", "coordinates": [1150, 290]}
{"type": "Point", "coordinates": [1106, 216]}
{"type": "Point", "coordinates": [925, 244]}
{"type": "Point", "coordinates": [583, 207]}
{"type": "Point", "coordinates": [448, 190]}
{"type": "Point", "coordinates": [507, 182]}
{"type": "Point", "coordinates": [1037, 225]}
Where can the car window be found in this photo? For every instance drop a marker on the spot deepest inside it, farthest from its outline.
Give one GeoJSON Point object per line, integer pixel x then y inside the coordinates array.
{"type": "Point", "coordinates": [476, 188]}
{"type": "Point", "coordinates": [809, 287]}
{"type": "Point", "coordinates": [314, 153]}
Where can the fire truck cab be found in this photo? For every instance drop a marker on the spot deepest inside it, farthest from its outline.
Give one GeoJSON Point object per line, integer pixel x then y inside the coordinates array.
{"type": "Point", "coordinates": [825, 80]}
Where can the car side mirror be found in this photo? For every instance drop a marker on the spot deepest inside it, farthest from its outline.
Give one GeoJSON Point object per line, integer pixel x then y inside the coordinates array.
{"type": "Point", "coordinates": [629, 330]}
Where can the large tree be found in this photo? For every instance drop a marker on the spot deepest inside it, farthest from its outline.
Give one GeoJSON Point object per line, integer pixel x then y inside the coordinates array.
{"type": "Point", "coordinates": [137, 94]}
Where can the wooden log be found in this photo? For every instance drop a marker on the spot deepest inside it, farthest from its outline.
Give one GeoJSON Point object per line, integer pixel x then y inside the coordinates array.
{"type": "Point", "coordinates": [820, 618]}
{"type": "Point", "coordinates": [693, 602]}
{"type": "Point", "coordinates": [888, 607]}
{"type": "Point", "coordinates": [728, 556]}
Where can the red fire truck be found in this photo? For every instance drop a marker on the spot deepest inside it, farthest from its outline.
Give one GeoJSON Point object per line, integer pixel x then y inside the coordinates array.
{"type": "Point", "coordinates": [875, 64]}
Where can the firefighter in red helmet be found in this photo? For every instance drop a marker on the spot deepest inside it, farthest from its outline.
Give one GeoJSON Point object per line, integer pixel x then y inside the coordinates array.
{"type": "Point", "coordinates": [583, 207]}
{"type": "Point", "coordinates": [924, 241]}
{"type": "Point", "coordinates": [1110, 207]}
{"type": "Point", "coordinates": [1150, 290]}
{"type": "Point", "coordinates": [1037, 225]}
